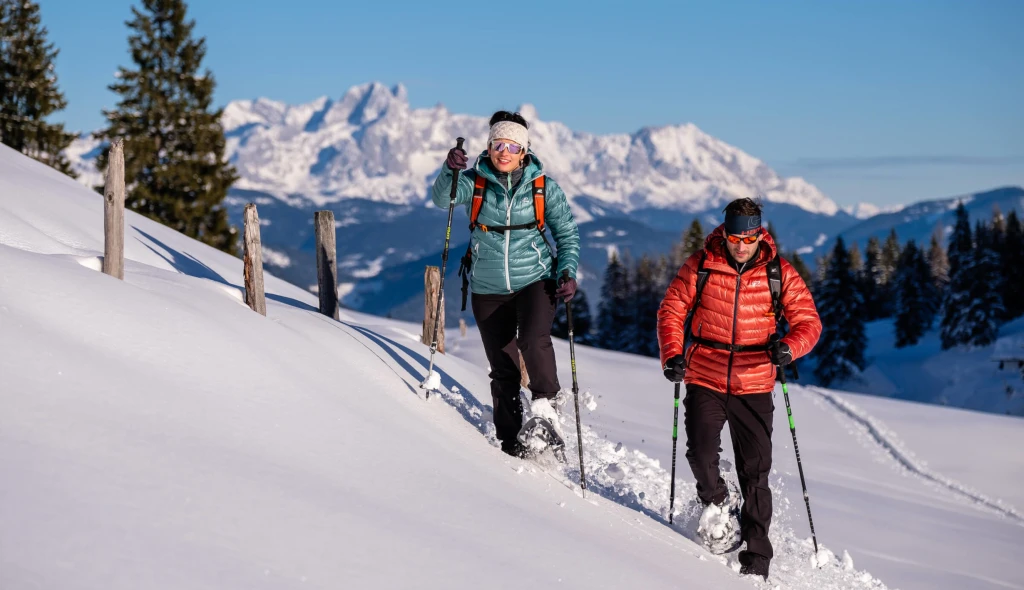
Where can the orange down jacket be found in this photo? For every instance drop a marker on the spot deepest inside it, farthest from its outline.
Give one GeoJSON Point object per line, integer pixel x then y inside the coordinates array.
{"type": "Point", "coordinates": [735, 309]}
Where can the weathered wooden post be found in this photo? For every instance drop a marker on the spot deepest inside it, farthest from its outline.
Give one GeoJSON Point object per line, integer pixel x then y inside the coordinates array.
{"type": "Point", "coordinates": [327, 264]}
{"type": "Point", "coordinates": [113, 212]}
{"type": "Point", "coordinates": [431, 286]}
{"type": "Point", "coordinates": [524, 377]}
{"type": "Point", "coordinates": [252, 260]}
{"type": "Point", "coordinates": [462, 327]}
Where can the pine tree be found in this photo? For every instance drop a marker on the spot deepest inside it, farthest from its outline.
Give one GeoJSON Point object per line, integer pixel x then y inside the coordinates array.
{"type": "Point", "coordinates": [174, 143]}
{"type": "Point", "coordinates": [957, 298]}
{"type": "Point", "coordinates": [648, 291]}
{"type": "Point", "coordinates": [840, 351]}
{"type": "Point", "coordinates": [998, 225]}
{"type": "Point", "coordinates": [997, 241]}
{"type": "Point", "coordinates": [771, 232]}
{"type": "Point", "coordinates": [887, 262]}
{"type": "Point", "coordinates": [938, 269]}
{"type": "Point", "coordinates": [691, 241]}
{"type": "Point", "coordinates": [912, 286]}
{"type": "Point", "coordinates": [582, 320]}
{"type": "Point", "coordinates": [800, 267]}
{"type": "Point", "coordinates": [1011, 260]}
{"type": "Point", "coordinates": [615, 318]}
{"type": "Point", "coordinates": [872, 282]}
{"type": "Point", "coordinates": [856, 260]}
{"type": "Point", "coordinates": [985, 308]}
{"type": "Point", "coordinates": [28, 87]}
{"type": "Point", "coordinates": [821, 264]}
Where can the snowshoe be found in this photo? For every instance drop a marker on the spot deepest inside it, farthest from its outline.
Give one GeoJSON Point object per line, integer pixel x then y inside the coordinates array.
{"type": "Point", "coordinates": [540, 431]}
{"type": "Point", "coordinates": [719, 526]}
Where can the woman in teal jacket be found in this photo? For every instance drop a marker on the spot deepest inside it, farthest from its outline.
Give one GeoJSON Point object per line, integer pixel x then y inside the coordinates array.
{"type": "Point", "coordinates": [513, 271]}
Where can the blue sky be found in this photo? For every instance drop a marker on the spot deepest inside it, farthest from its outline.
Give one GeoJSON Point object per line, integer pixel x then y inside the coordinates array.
{"type": "Point", "coordinates": [878, 101]}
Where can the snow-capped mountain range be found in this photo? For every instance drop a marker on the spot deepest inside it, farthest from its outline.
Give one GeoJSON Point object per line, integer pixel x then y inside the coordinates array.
{"type": "Point", "coordinates": [371, 144]}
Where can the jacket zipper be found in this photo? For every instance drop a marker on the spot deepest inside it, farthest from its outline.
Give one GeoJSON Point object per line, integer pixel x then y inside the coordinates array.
{"type": "Point", "coordinates": [509, 199]}
{"type": "Point", "coordinates": [508, 237]}
{"type": "Point", "coordinates": [735, 317]}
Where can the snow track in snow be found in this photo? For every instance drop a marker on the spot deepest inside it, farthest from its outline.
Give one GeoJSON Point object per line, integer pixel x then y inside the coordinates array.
{"type": "Point", "coordinates": [892, 446]}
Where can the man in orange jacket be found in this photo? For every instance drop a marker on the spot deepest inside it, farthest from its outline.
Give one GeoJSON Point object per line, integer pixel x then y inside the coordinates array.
{"type": "Point", "coordinates": [730, 366]}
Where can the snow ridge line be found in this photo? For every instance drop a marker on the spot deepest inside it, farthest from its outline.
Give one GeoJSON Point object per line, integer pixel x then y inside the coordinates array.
{"type": "Point", "coordinates": [903, 457]}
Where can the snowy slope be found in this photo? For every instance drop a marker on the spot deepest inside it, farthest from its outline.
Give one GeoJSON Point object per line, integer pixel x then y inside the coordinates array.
{"type": "Point", "coordinates": [965, 376]}
{"type": "Point", "coordinates": [156, 433]}
{"type": "Point", "coordinates": [927, 523]}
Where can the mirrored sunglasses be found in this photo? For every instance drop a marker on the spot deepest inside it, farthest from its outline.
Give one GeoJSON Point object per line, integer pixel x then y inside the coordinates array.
{"type": "Point", "coordinates": [745, 239]}
{"type": "Point", "coordinates": [513, 148]}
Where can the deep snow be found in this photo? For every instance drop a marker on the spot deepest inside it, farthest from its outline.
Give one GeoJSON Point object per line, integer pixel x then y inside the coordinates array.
{"type": "Point", "coordinates": [157, 433]}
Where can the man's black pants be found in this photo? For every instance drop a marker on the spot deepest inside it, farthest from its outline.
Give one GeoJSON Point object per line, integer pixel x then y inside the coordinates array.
{"type": "Point", "coordinates": [750, 425]}
{"type": "Point", "coordinates": [510, 323]}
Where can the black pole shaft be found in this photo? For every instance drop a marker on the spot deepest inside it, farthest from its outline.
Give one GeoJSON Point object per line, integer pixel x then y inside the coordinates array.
{"type": "Point", "coordinates": [444, 260]}
{"type": "Point", "coordinates": [796, 448]}
{"type": "Point", "coordinates": [576, 396]}
{"type": "Point", "coordinates": [675, 437]}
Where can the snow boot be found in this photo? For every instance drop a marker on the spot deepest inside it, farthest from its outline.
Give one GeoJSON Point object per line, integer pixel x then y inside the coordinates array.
{"type": "Point", "coordinates": [752, 564]}
{"type": "Point", "coordinates": [541, 430]}
{"type": "Point", "coordinates": [513, 448]}
{"type": "Point", "coordinates": [719, 525]}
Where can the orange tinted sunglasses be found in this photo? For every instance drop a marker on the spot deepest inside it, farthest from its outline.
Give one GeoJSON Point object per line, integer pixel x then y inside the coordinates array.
{"type": "Point", "coordinates": [745, 239]}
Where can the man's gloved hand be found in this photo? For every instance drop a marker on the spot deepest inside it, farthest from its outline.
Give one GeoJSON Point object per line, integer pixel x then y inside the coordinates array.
{"type": "Point", "coordinates": [780, 353]}
{"type": "Point", "coordinates": [456, 159]}
{"type": "Point", "coordinates": [566, 289]}
{"type": "Point", "coordinates": [675, 368]}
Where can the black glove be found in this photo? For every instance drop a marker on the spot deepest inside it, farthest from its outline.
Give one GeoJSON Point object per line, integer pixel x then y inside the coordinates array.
{"type": "Point", "coordinates": [675, 368]}
{"type": "Point", "coordinates": [781, 354]}
{"type": "Point", "coordinates": [456, 159]}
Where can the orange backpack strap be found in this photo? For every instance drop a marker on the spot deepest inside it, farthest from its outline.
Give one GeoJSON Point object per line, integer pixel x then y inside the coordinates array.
{"type": "Point", "coordinates": [478, 200]}
{"type": "Point", "coordinates": [538, 202]}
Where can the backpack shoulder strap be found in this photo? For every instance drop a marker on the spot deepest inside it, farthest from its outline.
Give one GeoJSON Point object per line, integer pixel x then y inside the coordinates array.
{"type": "Point", "coordinates": [774, 270]}
{"type": "Point", "coordinates": [539, 192]}
{"type": "Point", "coordinates": [478, 200]}
{"type": "Point", "coordinates": [702, 279]}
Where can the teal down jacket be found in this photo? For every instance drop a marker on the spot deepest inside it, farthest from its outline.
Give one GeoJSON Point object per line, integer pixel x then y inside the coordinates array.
{"type": "Point", "coordinates": [505, 262]}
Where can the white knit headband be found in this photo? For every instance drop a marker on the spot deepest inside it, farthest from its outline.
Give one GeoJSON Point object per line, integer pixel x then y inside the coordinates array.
{"type": "Point", "coordinates": [509, 130]}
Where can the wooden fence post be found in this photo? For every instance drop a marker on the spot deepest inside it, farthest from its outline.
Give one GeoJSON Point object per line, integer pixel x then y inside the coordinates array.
{"type": "Point", "coordinates": [252, 265]}
{"type": "Point", "coordinates": [524, 377]}
{"type": "Point", "coordinates": [431, 284]}
{"type": "Point", "coordinates": [113, 212]}
{"type": "Point", "coordinates": [327, 264]}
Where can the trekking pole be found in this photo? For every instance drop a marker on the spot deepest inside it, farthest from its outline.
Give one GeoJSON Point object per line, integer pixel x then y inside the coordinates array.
{"type": "Point", "coordinates": [444, 264]}
{"type": "Point", "coordinates": [799, 465]}
{"type": "Point", "coordinates": [575, 391]}
{"type": "Point", "coordinates": [675, 437]}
